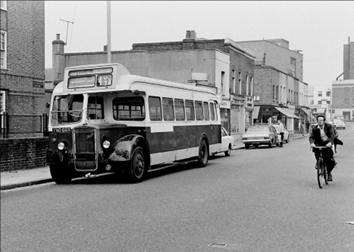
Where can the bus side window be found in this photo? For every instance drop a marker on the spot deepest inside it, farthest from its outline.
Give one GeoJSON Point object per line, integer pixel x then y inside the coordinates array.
{"type": "Point", "coordinates": [167, 109]}
{"type": "Point", "coordinates": [212, 111]}
{"type": "Point", "coordinates": [190, 110]}
{"type": "Point", "coordinates": [179, 107]}
{"type": "Point", "coordinates": [206, 111]}
{"type": "Point", "coordinates": [155, 108]}
{"type": "Point", "coordinates": [199, 110]}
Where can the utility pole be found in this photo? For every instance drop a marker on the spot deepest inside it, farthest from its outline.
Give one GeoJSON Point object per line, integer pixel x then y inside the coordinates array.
{"type": "Point", "coordinates": [109, 31]}
{"type": "Point", "coordinates": [67, 28]}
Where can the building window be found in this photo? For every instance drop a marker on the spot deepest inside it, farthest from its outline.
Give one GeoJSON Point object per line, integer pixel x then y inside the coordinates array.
{"type": "Point", "coordinates": [319, 93]}
{"type": "Point", "coordinates": [247, 87]}
{"type": "Point", "coordinates": [222, 83]}
{"type": "Point", "coordinates": [346, 102]}
{"type": "Point", "coordinates": [240, 82]}
{"type": "Point", "coordinates": [328, 93]}
{"type": "Point", "coordinates": [319, 102]}
{"type": "Point", "coordinates": [328, 102]}
{"type": "Point", "coordinates": [233, 77]}
{"type": "Point", "coordinates": [2, 102]}
{"type": "Point", "coordinates": [3, 5]}
{"type": "Point", "coordinates": [3, 48]}
{"type": "Point", "coordinates": [251, 86]}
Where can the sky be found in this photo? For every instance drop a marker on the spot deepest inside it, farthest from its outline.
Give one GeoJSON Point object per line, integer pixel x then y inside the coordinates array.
{"type": "Point", "coordinates": [318, 28]}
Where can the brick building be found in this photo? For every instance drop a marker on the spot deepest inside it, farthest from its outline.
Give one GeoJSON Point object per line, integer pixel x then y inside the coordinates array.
{"type": "Point", "coordinates": [278, 87]}
{"type": "Point", "coordinates": [343, 90]}
{"type": "Point", "coordinates": [217, 63]}
{"type": "Point", "coordinates": [343, 99]}
{"type": "Point", "coordinates": [22, 68]}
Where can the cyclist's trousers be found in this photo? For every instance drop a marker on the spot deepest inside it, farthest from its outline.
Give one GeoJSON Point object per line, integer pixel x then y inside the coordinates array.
{"type": "Point", "coordinates": [327, 155]}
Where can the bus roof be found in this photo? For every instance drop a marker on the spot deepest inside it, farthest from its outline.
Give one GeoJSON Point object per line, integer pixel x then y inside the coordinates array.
{"type": "Point", "coordinates": [121, 80]}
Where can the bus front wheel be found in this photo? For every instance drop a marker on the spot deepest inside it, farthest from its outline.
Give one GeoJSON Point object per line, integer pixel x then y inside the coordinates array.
{"type": "Point", "coordinates": [61, 174]}
{"type": "Point", "coordinates": [203, 155]}
{"type": "Point", "coordinates": [137, 168]}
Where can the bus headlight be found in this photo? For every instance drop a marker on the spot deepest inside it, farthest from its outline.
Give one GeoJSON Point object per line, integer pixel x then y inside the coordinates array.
{"type": "Point", "coordinates": [106, 144]}
{"type": "Point", "coordinates": [61, 146]}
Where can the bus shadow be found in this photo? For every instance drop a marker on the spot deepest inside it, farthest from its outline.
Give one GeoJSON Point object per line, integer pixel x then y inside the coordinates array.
{"type": "Point", "coordinates": [120, 178]}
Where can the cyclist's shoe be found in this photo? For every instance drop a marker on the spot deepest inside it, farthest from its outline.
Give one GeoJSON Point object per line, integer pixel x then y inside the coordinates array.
{"type": "Point", "coordinates": [329, 177]}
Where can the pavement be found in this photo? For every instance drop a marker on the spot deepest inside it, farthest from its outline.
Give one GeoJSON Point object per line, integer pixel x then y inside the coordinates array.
{"type": "Point", "coordinates": [41, 175]}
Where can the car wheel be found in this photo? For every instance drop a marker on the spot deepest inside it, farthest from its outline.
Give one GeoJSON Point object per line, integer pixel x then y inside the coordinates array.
{"type": "Point", "coordinates": [228, 152]}
{"type": "Point", "coordinates": [247, 146]}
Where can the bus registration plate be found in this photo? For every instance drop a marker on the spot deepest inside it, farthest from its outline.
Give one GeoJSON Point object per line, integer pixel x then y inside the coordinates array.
{"type": "Point", "coordinates": [61, 130]}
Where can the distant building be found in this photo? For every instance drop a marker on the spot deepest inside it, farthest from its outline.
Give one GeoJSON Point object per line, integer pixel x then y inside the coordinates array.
{"type": "Point", "coordinates": [343, 99]}
{"type": "Point", "coordinates": [348, 61]}
{"type": "Point", "coordinates": [321, 100]}
{"type": "Point", "coordinates": [343, 90]}
{"type": "Point", "coordinates": [279, 90]}
{"type": "Point", "coordinates": [22, 68]}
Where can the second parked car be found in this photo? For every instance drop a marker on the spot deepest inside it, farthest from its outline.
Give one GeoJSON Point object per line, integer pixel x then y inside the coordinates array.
{"type": "Point", "coordinates": [260, 135]}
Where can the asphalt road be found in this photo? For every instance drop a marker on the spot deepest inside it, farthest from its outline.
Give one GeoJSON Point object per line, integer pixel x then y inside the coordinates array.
{"type": "Point", "coordinates": [264, 199]}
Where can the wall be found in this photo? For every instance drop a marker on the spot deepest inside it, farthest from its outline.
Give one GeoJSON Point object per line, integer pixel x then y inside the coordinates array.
{"type": "Point", "coordinates": [23, 79]}
{"type": "Point", "coordinates": [276, 56]}
{"type": "Point", "coordinates": [24, 153]}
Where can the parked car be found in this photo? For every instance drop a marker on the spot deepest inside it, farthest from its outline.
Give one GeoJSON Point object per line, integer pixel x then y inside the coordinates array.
{"type": "Point", "coordinates": [286, 133]}
{"type": "Point", "coordinates": [340, 124]}
{"type": "Point", "coordinates": [260, 135]}
{"type": "Point", "coordinates": [227, 141]}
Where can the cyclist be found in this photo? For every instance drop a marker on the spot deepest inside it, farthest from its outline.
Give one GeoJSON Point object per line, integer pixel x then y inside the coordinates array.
{"type": "Point", "coordinates": [322, 134]}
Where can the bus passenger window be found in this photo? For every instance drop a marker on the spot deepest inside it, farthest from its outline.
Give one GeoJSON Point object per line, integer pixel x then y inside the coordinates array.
{"type": "Point", "coordinates": [167, 109]}
{"type": "Point", "coordinates": [199, 110]}
{"type": "Point", "coordinates": [95, 107]}
{"type": "Point", "coordinates": [206, 111]}
{"type": "Point", "coordinates": [129, 108]}
{"type": "Point", "coordinates": [179, 106]}
{"type": "Point", "coordinates": [189, 110]}
{"type": "Point", "coordinates": [212, 111]}
{"type": "Point", "coordinates": [155, 108]}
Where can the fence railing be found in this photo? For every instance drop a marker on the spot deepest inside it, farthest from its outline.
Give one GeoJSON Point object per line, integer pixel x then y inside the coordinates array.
{"type": "Point", "coordinates": [13, 125]}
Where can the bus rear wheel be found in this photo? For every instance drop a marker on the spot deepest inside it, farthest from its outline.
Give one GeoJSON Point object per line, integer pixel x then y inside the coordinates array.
{"type": "Point", "coordinates": [137, 166]}
{"type": "Point", "coordinates": [61, 174]}
{"type": "Point", "coordinates": [203, 155]}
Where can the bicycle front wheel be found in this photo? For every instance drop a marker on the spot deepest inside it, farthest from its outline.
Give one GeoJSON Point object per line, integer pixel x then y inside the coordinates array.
{"type": "Point", "coordinates": [320, 174]}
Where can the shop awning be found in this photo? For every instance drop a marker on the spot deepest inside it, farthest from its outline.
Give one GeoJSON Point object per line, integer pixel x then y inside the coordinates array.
{"type": "Point", "coordinates": [287, 112]}
{"type": "Point", "coordinates": [307, 112]}
{"type": "Point", "coordinates": [255, 112]}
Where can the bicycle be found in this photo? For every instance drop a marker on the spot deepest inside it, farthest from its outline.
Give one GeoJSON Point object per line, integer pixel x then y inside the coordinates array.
{"type": "Point", "coordinates": [322, 174]}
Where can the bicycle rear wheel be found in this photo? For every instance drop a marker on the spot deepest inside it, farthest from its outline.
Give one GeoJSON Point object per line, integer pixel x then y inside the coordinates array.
{"type": "Point", "coordinates": [321, 178]}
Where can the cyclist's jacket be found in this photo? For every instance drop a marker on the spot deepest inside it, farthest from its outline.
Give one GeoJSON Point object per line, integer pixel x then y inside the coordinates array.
{"type": "Point", "coordinates": [321, 137]}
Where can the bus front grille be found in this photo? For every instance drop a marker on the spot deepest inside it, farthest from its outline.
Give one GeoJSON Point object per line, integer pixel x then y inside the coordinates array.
{"type": "Point", "coordinates": [85, 156]}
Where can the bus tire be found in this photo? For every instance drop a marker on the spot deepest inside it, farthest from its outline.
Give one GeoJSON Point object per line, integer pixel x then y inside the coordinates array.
{"type": "Point", "coordinates": [137, 166]}
{"type": "Point", "coordinates": [203, 153]}
{"type": "Point", "coordinates": [61, 174]}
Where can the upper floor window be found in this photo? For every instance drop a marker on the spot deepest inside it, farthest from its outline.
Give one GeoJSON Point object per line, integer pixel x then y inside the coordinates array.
{"type": "Point", "coordinates": [3, 4]}
{"type": "Point", "coordinates": [319, 93]}
{"type": "Point", "coordinates": [3, 48]}
{"type": "Point", "coordinates": [222, 83]}
{"type": "Point", "coordinates": [233, 82]}
{"type": "Point", "coordinates": [2, 102]}
{"type": "Point", "coordinates": [240, 82]}
{"type": "Point", "coordinates": [328, 93]}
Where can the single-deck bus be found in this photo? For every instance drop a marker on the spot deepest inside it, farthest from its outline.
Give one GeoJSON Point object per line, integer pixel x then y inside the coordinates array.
{"type": "Point", "coordinates": [103, 119]}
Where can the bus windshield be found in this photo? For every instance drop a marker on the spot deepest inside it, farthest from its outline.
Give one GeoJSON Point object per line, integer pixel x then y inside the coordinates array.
{"type": "Point", "coordinates": [67, 109]}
